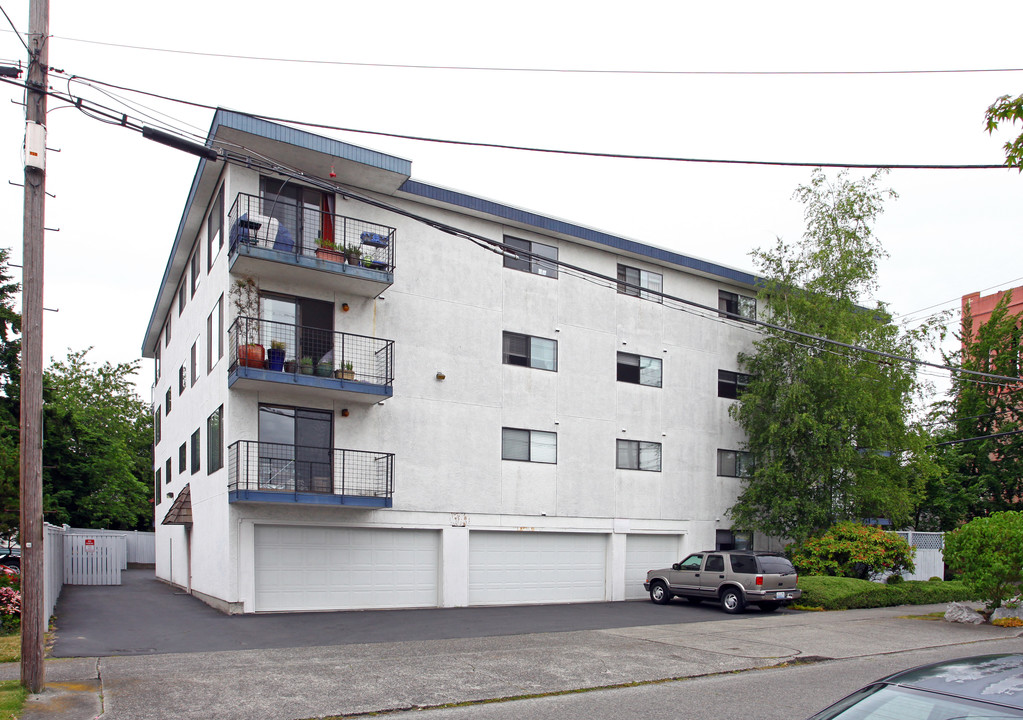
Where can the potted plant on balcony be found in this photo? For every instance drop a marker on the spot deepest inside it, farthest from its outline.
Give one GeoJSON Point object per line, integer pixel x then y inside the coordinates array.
{"type": "Point", "coordinates": [327, 250]}
{"type": "Point", "coordinates": [324, 368]}
{"type": "Point", "coordinates": [346, 373]}
{"type": "Point", "coordinates": [305, 366]}
{"type": "Point", "coordinates": [245, 297]}
{"type": "Point", "coordinates": [353, 253]}
{"type": "Point", "coordinates": [275, 356]}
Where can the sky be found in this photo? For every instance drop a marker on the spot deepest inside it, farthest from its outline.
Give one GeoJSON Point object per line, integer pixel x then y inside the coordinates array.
{"type": "Point", "coordinates": [118, 197]}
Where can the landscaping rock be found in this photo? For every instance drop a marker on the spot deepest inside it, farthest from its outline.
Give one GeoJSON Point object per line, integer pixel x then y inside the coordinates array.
{"type": "Point", "coordinates": [963, 613]}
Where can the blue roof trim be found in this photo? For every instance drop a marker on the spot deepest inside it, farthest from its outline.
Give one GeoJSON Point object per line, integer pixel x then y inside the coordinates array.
{"type": "Point", "coordinates": [318, 143]}
{"type": "Point", "coordinates": [506, 212]}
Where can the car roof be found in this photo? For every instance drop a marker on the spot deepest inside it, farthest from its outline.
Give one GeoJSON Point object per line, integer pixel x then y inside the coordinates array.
{"type": "Point", "coordinates": [988, 678]}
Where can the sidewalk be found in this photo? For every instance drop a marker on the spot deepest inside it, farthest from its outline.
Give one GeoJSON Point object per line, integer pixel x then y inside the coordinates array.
{"type": "Point", "coordinates": [335, 680]}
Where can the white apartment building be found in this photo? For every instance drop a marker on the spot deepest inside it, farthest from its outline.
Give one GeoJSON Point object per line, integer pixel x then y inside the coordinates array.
{"type": "Point", "coordinates": [427, 422]}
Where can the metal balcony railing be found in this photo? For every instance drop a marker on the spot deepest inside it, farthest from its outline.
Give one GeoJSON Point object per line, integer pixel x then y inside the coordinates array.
{"type": "Point", "coordinates": [282, 225]}
{"type": "Point", "coordinates": [279, 347]}
{"type": "Point", "coordinates": [274, 467]}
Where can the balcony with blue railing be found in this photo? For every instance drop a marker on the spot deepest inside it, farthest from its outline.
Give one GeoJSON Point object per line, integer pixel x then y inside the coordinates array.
{"type": "Point", "coordinates": [276, 473]}
{"type": "Point", "coordinates": [303, 244]}
{"type": "Point", "coordinates": [309, 360]}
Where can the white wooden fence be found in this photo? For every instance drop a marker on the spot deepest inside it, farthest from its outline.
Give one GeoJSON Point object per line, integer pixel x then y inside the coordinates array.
{"type": "Point", "coordinates": [930, 556]}
{"type": "Point", "coordinates": [75, 556]}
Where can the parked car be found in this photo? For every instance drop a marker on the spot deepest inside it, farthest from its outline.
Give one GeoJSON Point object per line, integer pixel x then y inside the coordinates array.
{"type": "Point", "coordinates": [983, 686]}
{"type": "Point", "coordinates": [11, 557]}
{"type": "Point", "coordinates": [735, 578]}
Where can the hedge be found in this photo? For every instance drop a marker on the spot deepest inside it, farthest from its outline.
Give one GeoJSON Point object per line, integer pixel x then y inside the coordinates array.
{"type": "Point", "coordinates": [838, 593]}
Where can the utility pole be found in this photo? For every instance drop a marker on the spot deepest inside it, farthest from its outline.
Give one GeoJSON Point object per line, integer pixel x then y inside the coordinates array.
{"type": "Point", "coordinates": [33, 624]}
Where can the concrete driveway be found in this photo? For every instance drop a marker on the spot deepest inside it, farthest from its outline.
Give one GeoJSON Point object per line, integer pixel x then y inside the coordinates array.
{"type": "Point", "coordinates": [144, 617]}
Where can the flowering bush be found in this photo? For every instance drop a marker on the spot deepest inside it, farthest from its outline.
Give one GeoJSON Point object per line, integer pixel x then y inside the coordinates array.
{"type": "Point", "coordinates": [849, 549]}
{"type": "Point", "coordinates": [10, 600]}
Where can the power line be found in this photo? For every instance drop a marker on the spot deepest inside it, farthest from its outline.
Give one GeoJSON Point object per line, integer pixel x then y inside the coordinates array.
{"type": "Point", "coordinates": [557, 151]}
{"type": "Point", "coordinates": [16, 31]}
{"type": "Point", "coordinates": [522, 69]}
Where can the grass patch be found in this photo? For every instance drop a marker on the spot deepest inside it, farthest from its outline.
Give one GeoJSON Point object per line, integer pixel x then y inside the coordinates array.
{"type": "Point", "coordinates": [12, 699]}
{"type": "Point", "coordinates": [837, 593]}
{"type": "Point", "coordinates": [10, 650]}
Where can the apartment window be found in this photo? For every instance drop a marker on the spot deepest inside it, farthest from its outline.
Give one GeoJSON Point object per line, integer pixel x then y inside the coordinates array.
{"type": "Point", "coordinates": [537, 262]}
{"type": "Point", "coordinates": [182, 296]}
{"type": "Point", "coordinates": [732, 384]}
{"type": "Point", "coordinates": [215, 335]}
{"type": "Point", "coordinates": [638, 369]}
{"type": "Point", "coordinates": [157, 427]}
{"type": "Point", "coordinates": [644, 279]}
{"type": "Point", "coordinates": [156, 494]}
{"type": "Point", "coordinates": [195, 451]}
{"type": "Point", "coordinates": [636, 455]}
{"type": "Point", "coordinates": [195, 361]}
{"type": "Point", "coordinates": [215, 441]}
{"type": "Point", "coordinates": [182, 379]}
{"type": "Point", "coordinates": [733, 463]}
{"type": "Point", "coordinates": [167, 331]}
{"type": "Point", "coordinates": [182, 458]}
{"type": "Point", "coordinates": [167, 472]}
{"type": "Point", "coordinates": [731, 304]}
{"type": "Point", "coordinates": [194, 264]}
{"type": "Point", "coordinates": [529, 445]}
{"type": "Point", "coordinates": [157, 363]}
{"type": "Point", "coordinates": [527, 351]}
{"type": "Point", "coordinates": [167, 399]}
{"type": "Point", "coordinates": [215, 229]}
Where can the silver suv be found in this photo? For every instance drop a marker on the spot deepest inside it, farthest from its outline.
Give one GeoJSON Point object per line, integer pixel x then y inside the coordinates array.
{"type": "Point", "coordinates": [735, 578]}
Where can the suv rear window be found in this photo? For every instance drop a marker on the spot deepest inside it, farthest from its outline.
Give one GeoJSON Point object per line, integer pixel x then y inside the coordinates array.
{"type": "Point", "coordinates": [775, 565]}
{"type": "Point", "coordinates": [743, 564]}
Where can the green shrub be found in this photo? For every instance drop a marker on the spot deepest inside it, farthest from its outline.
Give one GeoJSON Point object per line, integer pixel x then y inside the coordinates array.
{"type": "Point", "coordinates": [987, 555]}
{"type": "Point", "coordinates": [838, 593]}
{"type": "Point", "coordinates": [852, 550]}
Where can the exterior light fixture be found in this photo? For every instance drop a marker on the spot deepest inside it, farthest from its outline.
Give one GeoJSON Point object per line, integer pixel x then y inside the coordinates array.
{"type": "Point", "coordinates": [440, 375]}
{"type": "Point", "coordinates": [344, 307]}
{"type": "Point", "coordinates": [344, 412]}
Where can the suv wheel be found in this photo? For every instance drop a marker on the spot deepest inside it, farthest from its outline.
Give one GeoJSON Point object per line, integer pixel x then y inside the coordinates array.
{"type": "Point", "coordinates": [660, 594]}
{"type": "Point", "coordinates": [732, 600]}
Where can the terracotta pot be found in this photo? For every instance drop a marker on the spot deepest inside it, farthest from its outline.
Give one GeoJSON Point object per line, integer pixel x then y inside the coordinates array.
{"type": "Point", "coordinates": [332, 255]}
{"type": "Point", "coordinates": [251, 355]}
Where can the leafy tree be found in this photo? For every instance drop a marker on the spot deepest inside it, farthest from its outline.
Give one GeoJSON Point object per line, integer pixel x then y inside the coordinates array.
{"type": "Point", "coordinates": [827, 427]}
{"type": "Point", "coordinates": [987, 553]}
{"type": "Point", "coordinates": [10, 382]}
{"type": "Point", "coordinates": [1010, 109]}
{"type": "Point", "coordinates": [852, 550]}
{"type": "Point", "coordinates": [97, 446]}
{"type": "Point", "coordinates": [984, 466]}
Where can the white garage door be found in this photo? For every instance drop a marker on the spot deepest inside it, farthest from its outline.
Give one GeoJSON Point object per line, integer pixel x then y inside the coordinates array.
{"type": "Point", "coordinates": [508, 568]}
{"type": "Point", "coordinates": [647, 552]}
{"type": "Point", "coordinates": [326, 568]}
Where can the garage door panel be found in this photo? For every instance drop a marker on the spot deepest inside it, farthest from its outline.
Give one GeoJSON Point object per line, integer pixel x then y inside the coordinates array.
{"type": "Point", "coordinates": [323, 568]}
{"type": "Point", "coordinates": [515, 568]}
{"type": "Point", "coordinates": [647, 552]}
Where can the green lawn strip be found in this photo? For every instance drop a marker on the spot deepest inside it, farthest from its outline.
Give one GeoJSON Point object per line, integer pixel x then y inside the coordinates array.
{"type": "Point", "coordinates": [838, 593]}
{"type": "Point", "coordinates": [12, 699]}
{"type": "Point", "coordinates": [10, 649]}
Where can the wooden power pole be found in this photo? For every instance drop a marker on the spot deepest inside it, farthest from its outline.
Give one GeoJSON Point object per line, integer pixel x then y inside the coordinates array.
{"type": "Point", "coordinates": [33, 623]}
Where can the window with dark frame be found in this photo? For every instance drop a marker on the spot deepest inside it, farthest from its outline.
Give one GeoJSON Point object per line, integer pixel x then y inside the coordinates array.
{"type": "Point", "coordinates": [167, 330]}
{"type": "Point", "coordinates": [167, 472]}
{"type": "Point", "coordinates": [636, 282]}
{"type": "Point", "coordinates": [196, 268]}
{"type": "Point", "coordinates": [639, 369]}
{"type": "Point", "coordinates": [182, 296]}
{"type": "Point", "coordinates": [157, 426]}
{"type": "Point", "coordinates": [215, 441]}
{"type": "Point", "coordinates": [541, 260]}
{"type": "Point", "coordinates": [732, 384]}
{"type": "Point", "coordinates": [215, 230]}
{"type": "Point", "coordinates": [529, 445]}
{"type": "Point", "coordinates": [167, 403]}
{"type": "Point", "coordinates": [637, 455]}
{"type": "Point", "coordinates": [731, 304]}
{"type": "Point", "coordinates": [183, 458]}
{"type": "Point", "coordinates": [182, 378]}
{"type": "Point", "coordinates": [215, 335]}
{"type": "Point", "coordinates": [194, 360]}
{"type": "Point", "coordinates": [157, 361]}
{"type": "Point", "coordinates": [528, 351]}
{"type": "Point", "coordinates": [157, 476]}
{"type": "Point", "coordinates": [195, 452]}
{"type": "Point", "coordinates": [734, 463]}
